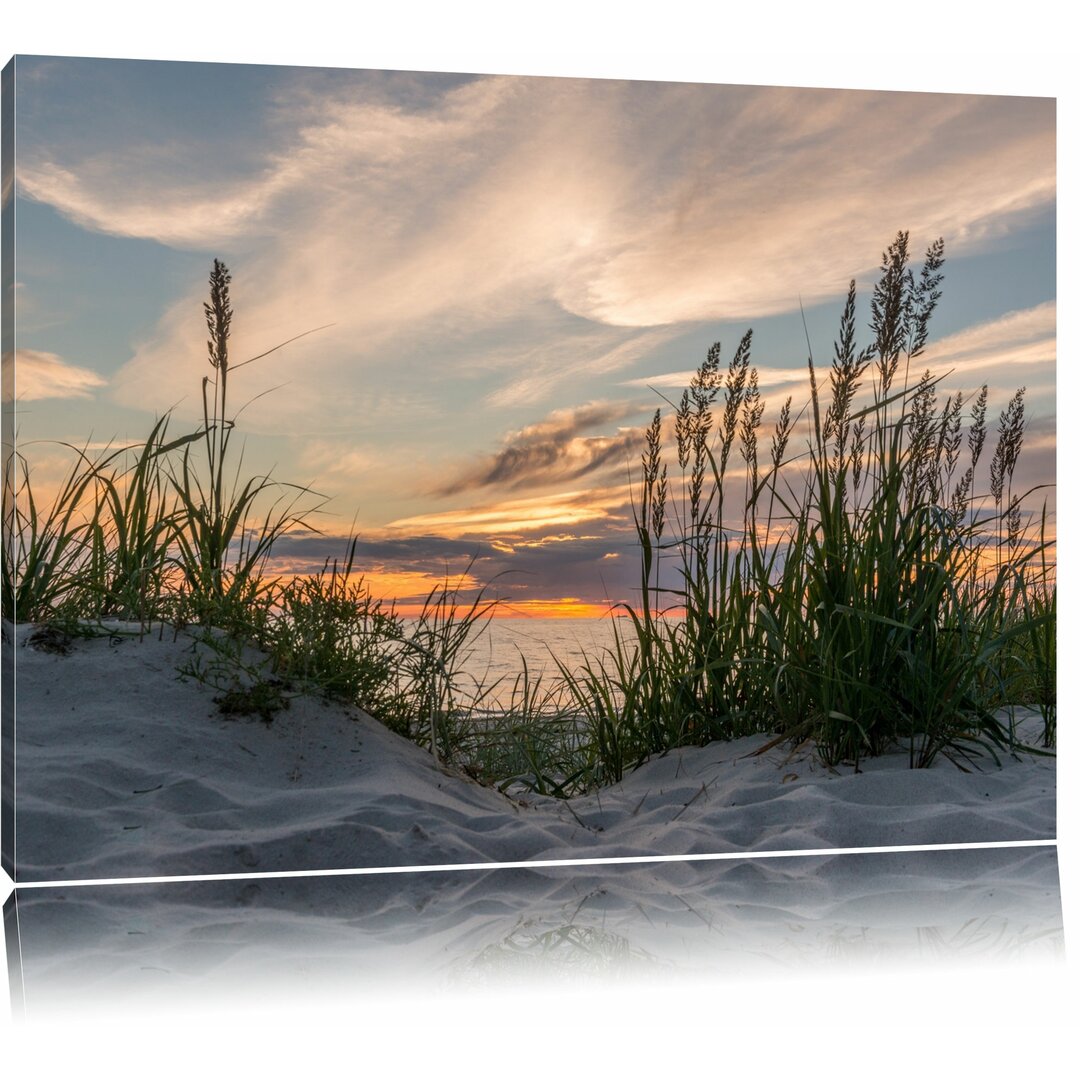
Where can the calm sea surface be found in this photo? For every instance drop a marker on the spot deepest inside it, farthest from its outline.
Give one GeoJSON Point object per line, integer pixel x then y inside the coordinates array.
{"type": "Point", "coordinates": [498, 652]}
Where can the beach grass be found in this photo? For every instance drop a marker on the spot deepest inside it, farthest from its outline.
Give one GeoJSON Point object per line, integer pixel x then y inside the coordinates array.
{"type": "Point", "coordinates": [857, 587]}
{"type": "Point", "coordinates": [862, 592]}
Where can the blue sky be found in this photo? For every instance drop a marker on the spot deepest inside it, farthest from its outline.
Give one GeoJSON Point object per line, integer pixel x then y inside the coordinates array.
{"type": "Point", "coordinates": [512, 267]}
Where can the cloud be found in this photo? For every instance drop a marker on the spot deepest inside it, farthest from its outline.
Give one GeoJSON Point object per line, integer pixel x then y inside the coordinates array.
{"type": "Point", "coordinates": [417, 554]}
{"type": "Point", "coordinates": [34, 376]}
{"type": "Point", "coordinates": [1016, 338]}
{"type": "Point", "coordinates": [787, 196]}
{"type": "Point", "coordinates": [543, 367]}
{"type": "Point", "coordinates": [555, 450]}
{"type": "Point", "coordinates": [537, 567]}
{"type": "Point", "coordinates": [680, 380]}
{"type": "Point", "coordinates": [515, 516]}
{"type": "Point", "coordinates": [181, 217]}
{"type": "Point", "coordinates": [629, 206]}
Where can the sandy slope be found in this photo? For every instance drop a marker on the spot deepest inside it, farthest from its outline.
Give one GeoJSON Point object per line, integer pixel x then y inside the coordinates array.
{"type": "Point", "coordinates": [124, 769]}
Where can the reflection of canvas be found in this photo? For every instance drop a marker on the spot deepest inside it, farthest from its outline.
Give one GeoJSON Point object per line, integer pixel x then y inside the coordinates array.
{"type": "Point", "coordinates": [170, 945]}
{"type": "Point", "coordinates": [255, 578]}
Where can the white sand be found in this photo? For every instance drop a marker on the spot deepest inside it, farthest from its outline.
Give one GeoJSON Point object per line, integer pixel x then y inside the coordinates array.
{"type": "Point", "coordinates": [125, 770]}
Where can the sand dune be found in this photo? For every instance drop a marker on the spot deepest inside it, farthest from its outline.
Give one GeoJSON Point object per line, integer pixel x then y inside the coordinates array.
{"type": "Point", "coordinates": [126, 769]}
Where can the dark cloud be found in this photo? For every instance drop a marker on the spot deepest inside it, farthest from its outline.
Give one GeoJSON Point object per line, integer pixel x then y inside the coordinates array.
{"type": "Point", "coordinates": [556, 449]}
{"type": "Point", "coordinates": [575, 566]}
{"type": "Point", "coordinates": [415, 553]}
{"type": "Point", "coordinates": [598, 569]}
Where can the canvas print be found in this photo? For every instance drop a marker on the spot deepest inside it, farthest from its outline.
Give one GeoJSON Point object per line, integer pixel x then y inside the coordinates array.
{"type": "Point", "coordinates": [412, 469]}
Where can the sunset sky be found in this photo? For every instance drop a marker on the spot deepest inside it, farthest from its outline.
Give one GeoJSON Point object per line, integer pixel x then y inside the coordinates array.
{"type": "Point", "coordinates": [514, 270]}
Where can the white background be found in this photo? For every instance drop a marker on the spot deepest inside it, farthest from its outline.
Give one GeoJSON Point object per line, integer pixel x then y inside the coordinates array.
{"type": "Point", "coordinates": [997, 1022]}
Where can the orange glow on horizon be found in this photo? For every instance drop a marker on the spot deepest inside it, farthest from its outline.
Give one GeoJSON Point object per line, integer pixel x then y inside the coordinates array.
{"type": "Point", "coordinates": [393, 585]}
{"type": "Point", "coordinates": [562, 608]}
{"type": "Point", "coordinates": [566, 607]}
{"type": "Point", "coordinates": [405, 592]}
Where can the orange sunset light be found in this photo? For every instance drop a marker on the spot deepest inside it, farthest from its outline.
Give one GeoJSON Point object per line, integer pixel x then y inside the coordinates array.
{"type": "Point", "coordinates": [517, 515]}
{"type": "Point", "coordinates": [395, 585]}
{"type": "Point", "coordinates": [566, 607]}
{"type": "Point", "coordinates": [406, 590]}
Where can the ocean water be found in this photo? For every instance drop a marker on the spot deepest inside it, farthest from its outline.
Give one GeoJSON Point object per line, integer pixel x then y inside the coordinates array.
{"type": "Point", "coordinates": [496, 657]}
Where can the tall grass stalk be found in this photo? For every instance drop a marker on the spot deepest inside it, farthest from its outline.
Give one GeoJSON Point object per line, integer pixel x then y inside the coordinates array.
{"type": "Point", "coordinates": [222, 553]}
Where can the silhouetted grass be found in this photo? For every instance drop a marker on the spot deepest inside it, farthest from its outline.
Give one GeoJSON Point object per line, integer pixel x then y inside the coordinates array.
{"type": "Point", "coordinates": [861, 594]}
{"type": "Point", "coordinates": [174, 531]}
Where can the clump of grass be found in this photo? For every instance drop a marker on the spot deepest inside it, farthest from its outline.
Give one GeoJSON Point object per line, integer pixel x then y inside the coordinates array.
{"type": "Point", "coordinates": [222, 553]}
{"type": "Point", "coordinates": [134, 526]}
{"type": "Point", "coordinates": [326, 632]}
{"type": "Point", "coordinates": [535, 743]}
{"type": "Point", "coordinates": [147, 532]}
{"type": "Point", "coordinates": [898, 618]}
{"type": "Point", "coordinates": [172, 530]}
{"type": "Point", "coordinates": [45, 566]}
{"type": "Point", "coordinates": [264, 698]}
{"type": "Point", "coordinates": [862, 593]}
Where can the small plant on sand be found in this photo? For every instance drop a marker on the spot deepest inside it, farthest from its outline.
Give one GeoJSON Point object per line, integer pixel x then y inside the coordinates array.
{"type": "Point", "coordinates": [264, 699]}
{"type": "Point", "coordinates": [245, 679]}
{"type": "Point", "coordinates": [326, 632]}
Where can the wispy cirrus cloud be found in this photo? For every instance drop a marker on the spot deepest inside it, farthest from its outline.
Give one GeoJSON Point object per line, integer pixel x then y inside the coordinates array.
{"type": "Point", "coordinates": [628, 206]}
{"type": "Point", "coordinates": [185, 217]}
{"type": "Point", "coordinates": [679, 380]}
{"type": "Point", "coordinates": [541, 369]}
{"type": "Point", "coordinates": [32, 375]}
{"type": "Point", "coordinates": [1017, 338]}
